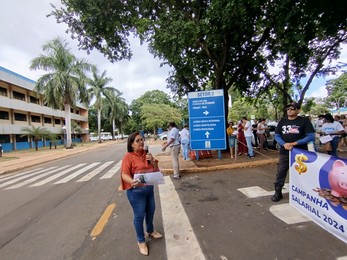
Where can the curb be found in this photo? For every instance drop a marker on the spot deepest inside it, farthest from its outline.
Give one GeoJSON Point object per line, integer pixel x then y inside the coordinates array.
{"type": "Point", "coordinates": [168, 171]}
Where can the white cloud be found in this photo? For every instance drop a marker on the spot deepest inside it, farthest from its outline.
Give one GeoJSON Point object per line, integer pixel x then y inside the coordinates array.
{"type": "Point", "coordinates": [319, 92]}
{"type": "Point", "coordinates": [25, 28]}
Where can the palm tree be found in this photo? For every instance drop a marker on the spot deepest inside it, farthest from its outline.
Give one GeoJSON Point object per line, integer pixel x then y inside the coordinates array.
{"type": "Point", "coordinates": [53, 137]}
{"type": "Point", "coordinates": [65, 84]}
{"type": "Point", "coordinates": [35, 133]}
{"type": "Point", "coordinates": [116, 110]}
{"type": "Point", "coordinates": [98, 90]}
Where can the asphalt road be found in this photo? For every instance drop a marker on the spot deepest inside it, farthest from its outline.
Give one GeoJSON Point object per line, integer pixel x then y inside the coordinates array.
{"type": "Point", "coordinates": [202, 215]}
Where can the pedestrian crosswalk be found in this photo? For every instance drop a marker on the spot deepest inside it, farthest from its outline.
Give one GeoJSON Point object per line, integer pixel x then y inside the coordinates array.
{"type": "Point", "coordinates": [82, 172]}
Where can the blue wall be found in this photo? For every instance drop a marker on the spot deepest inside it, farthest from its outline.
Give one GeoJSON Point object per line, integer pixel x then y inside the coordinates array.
{"type": "Point", "coordinates": [8, 147]}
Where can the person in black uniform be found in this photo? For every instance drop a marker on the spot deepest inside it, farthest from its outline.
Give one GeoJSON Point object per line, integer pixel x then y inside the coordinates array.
{"type": "Point", "coordinates": [291, 131]}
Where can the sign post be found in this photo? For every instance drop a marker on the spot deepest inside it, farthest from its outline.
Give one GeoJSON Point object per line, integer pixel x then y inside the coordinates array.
{"type": "Point", "coordinates": [207, 120]}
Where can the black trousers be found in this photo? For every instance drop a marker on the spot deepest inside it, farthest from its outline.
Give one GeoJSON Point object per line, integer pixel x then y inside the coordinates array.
{"type": "Point", "coordinates": [282, 169]}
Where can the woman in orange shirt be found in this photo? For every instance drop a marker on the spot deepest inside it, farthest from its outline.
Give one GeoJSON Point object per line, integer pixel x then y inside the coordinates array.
{"type": "Point", "coordinates": [140, 196]}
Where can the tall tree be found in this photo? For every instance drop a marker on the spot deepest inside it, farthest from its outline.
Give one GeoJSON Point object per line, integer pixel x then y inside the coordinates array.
{"type": "Point", "coordinates": [99, 90]}
{"type": "Point", "coordinates": [150, 97]}
{"type": "Point", "coordinates": [116, 110]}
{"type": "Point", "coordinates": [158, 115]}
{"type": "Point", "coordinates": [65, 82]}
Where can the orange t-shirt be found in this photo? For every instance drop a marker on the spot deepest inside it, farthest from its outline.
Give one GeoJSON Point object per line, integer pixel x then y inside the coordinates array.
{"type": "Point", "coordinates": [134, 163]}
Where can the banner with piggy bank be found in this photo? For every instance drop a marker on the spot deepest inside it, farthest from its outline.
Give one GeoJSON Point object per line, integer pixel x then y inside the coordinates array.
{"type": "Point", "coordinates": [318, 188]}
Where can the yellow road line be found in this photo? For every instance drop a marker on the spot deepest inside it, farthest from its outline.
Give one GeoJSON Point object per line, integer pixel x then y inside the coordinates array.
{"type": "Point", "coordinates": [102, 221]}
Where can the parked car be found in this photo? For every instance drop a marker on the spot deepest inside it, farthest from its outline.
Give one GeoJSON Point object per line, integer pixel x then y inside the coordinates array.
{"type": "Point", "coordinates": [271, 142]}
{"type": "Point", "coordinates": [163, 136]}
{"type": "Point", "coordinates": [94, 138]}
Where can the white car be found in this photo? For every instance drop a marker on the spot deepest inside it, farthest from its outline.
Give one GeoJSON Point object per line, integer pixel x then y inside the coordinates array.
{"type": "Point", "coordinates": [163, 136]}
{"type": "Point", "coordinates": [94, 138]}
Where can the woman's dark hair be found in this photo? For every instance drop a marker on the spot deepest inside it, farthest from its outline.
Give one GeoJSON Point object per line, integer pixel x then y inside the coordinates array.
{"type": "Point", "coordinates": [172, 124]}
{"type": "Point", "coordinates": [329, 118]}
{"type": "Point", "coordinates": [131, 140]}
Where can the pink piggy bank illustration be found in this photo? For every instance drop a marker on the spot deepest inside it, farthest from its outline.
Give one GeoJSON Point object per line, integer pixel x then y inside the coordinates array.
{"type": "Point", "coordinates": [338, 179]}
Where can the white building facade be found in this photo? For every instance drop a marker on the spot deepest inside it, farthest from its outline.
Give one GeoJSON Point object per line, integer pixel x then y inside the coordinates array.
{"type": "Point", "coordinates": [19, 107]}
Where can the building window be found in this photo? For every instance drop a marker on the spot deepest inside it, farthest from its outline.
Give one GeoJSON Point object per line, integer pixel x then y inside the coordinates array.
{"type": "Point", "coordinates": [18, 95]}
{"type": "Point", "coordinates": [77, 112]}
{"type": "Point", "coordinates": [35, 119]}
{"type": "Point", "coordinates": [20, 117]}
{"type": "Point", "coordinates": [34, 100]}
{"type": "Point", "coordinates": [57, 121]}
{"type": "Point", "coordinates": [5, 139]}
{"type": "Point", "coordinates": [3, 91]}
{"type": "Point", "coordinates": [20, 138]}
{"type": "Point", "coordinates": [4, 115]}
{"type": "Point", "coordinates": [48, 120]}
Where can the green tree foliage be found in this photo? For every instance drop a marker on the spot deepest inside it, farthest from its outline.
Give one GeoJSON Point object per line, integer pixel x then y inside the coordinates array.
{"type": "Point", "coordinates": [99, 90]}
{"type": "Point", "coordinates": [92, 119]}
{"type": "Point", "coordinates": [65, 82]}
{"type": "Point", "coordinates": [228, 43]}
{"type": "Point", "coordinates": [159, 115]}
{"type": "Point", "coordinates": [116, 110]}
{"type": "Point", "coordinates": [337, 91]}
{"type": "Point", "coordinates": [150, 97]}
{"type": "Point", "coordinates": [36, 133]}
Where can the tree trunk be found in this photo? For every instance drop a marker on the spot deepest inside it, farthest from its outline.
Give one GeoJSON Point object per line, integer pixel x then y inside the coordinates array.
{"type": "Point", "coordinates": [67, 108]}
{"type": "Point", "coordinates": [113, 128]}
{"type": "Point", "coordinates": [99, 124]}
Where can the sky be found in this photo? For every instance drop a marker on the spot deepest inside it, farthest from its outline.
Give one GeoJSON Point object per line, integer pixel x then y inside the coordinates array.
{"type": "Point", "coordinates": [25, 28]}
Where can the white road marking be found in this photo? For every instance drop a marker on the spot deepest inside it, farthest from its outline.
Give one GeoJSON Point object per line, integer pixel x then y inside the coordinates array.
{"type": "Point", "coordinates": [57, 175]}
{"type": "Point", "coordinates": [90, 175]}
{"type": "Point", "coordinates": [180, 239]}
{"type": "Point", "coordinates": [113, 171]}
{"type": "Point", "coordinates": [288, 214]}
{"type": "Point", "coordinates": [35, 178]}
{"type": "Point", "coordinates": [8, 177]}
{"type": "Point", "coordinates": [25, 176]}
{"type": "Point", "coordinates": [75, 174]}
{"type": "Point", "coordinates": [256, 191]}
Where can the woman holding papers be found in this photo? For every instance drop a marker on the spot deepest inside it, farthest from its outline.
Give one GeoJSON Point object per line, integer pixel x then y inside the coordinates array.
{"type": "Point", "coordinates": [335, 130]}
{"type": "Point", "coordinates": [140, 196]}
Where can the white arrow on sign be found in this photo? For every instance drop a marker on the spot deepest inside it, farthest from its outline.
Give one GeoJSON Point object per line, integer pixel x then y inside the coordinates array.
{"type": "Point", "coordinates": [207, 134]}
{"type": "Point", "coordinates": [205, 112]}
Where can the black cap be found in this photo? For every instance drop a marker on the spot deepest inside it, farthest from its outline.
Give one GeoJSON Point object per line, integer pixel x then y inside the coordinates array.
{"type": "Point", "coordinates": [293, 104]}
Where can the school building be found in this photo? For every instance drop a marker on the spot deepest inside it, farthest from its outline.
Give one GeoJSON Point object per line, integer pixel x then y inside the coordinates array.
{"type": "Point", "coordinates": [19, 107]}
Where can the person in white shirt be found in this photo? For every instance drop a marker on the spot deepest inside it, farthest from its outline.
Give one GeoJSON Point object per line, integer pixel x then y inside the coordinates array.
{"type": "Point", "coordinates": [335, 130]}
{"type": "Point", "coordinates": [247, 129]}
{"type": "Point", "coordinates": [185, 139]}
{"type": "Point", "coordinates": [173, 142]}
{"type": "Point", "coordinates": [261, 133]}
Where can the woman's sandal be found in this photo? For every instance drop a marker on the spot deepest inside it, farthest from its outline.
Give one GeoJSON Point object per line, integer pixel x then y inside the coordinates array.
{"type": "Point", "coordinates": [143, 248]}
{"type": "Point", "coordinates": [155, 234]}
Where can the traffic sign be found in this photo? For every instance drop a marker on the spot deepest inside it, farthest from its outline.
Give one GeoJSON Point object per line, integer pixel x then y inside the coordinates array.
{"type": "Point", "coordinates": [207, 120]}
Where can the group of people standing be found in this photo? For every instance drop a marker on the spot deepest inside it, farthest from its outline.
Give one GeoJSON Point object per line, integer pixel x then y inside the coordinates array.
{"type": "Point", "coordinates": [242, 137]}
{"type": "Point", "coordinates": [291, 131]}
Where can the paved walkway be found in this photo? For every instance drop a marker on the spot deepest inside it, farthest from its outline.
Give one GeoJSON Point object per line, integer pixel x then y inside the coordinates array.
{"type": "Point", "coordinates": [18, 160]}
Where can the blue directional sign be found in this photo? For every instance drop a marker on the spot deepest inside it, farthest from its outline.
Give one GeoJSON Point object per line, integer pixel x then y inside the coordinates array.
{"type": "Point", "coordinates": [207, 120]}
